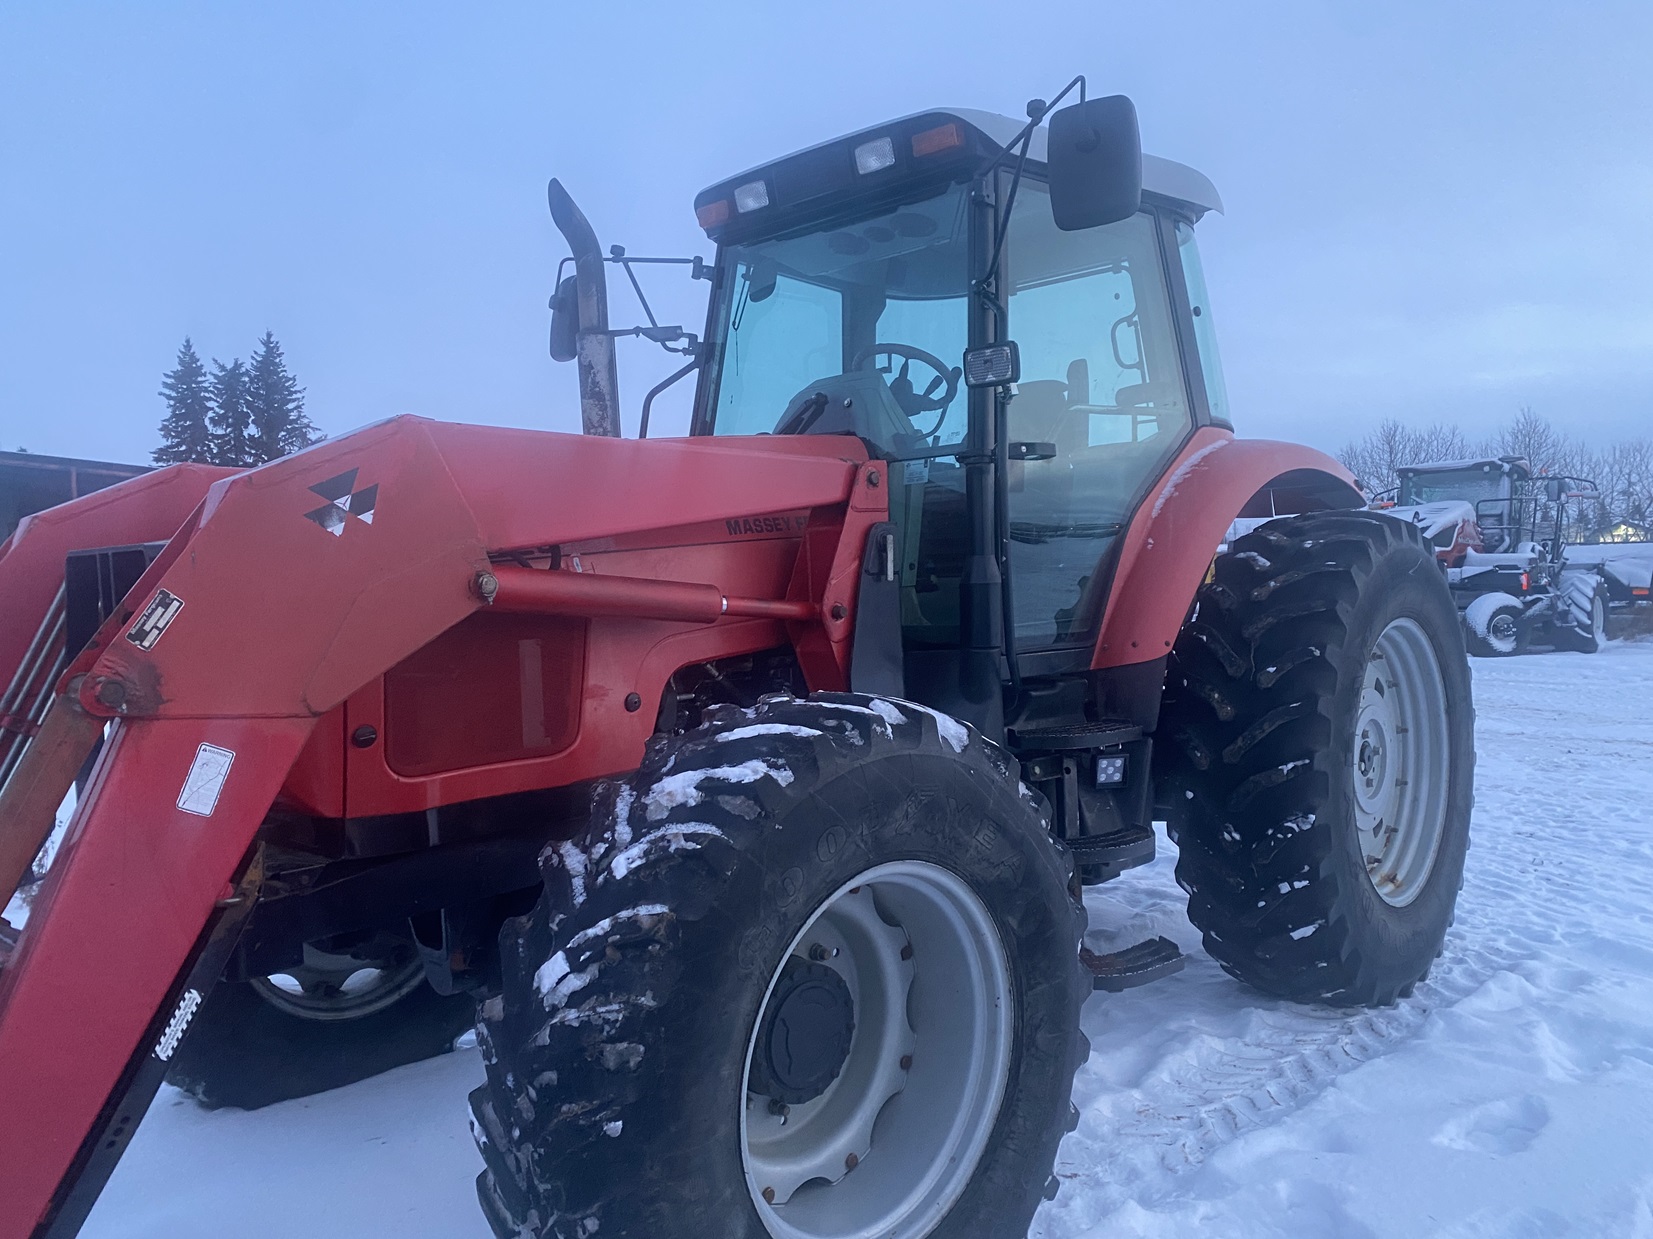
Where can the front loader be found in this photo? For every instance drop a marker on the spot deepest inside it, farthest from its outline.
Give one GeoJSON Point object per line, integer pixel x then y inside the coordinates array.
{"type": "Point", "coordinates": [748, 782]}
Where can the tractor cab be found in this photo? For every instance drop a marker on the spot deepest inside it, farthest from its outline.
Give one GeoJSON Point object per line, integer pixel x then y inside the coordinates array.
{"type": "Point", "coordinates": [931, 287]}
{"type": "Point", "coordinates": [1494, 490]}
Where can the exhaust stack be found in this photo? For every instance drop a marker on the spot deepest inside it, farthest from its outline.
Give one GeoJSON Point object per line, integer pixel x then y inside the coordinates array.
{"type": "Point", "coordinates": [594, 347]}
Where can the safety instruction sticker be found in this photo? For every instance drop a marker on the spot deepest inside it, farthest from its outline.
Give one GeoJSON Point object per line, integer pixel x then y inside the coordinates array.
{"type": "Point", "coordinates": [154, 621]}
{"type": "Point", "coordinates": [205, 780]}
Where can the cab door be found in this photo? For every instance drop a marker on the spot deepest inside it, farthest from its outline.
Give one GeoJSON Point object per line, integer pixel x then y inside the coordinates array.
{"type": "Point", "coordinates": [1102, 407]}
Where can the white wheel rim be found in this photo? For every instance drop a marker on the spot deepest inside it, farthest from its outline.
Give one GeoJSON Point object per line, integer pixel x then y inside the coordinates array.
{"type": "Point", "coordinates": [1400, 764]}
{"type": "Point", "coordinates": [892, 1143]}
{"type": "Point", "coordinates": [328, 986]}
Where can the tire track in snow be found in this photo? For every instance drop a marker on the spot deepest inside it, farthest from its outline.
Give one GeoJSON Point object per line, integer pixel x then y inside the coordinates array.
{"type": "Point", "coordinates": [1232, 1061]}
{"type": "Point", "coordinates": [1132, 1144]}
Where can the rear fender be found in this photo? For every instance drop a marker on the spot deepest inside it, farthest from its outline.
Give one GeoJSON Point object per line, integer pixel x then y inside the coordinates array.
{"type": "Point", "coordinates": [1175, 534]}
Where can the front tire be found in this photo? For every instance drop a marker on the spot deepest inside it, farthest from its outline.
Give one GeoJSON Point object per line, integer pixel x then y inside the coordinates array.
{"type": "Point", "coordinates": [1495, 626]}
{"type": "Point", "coordinates": [1322, 736]}
{"type": "Point", "coordinates": [811, 972]}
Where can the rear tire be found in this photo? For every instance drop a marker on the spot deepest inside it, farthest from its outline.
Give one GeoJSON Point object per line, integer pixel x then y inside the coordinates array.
{"type": "Point", "coordinates": [1321, 739]}
{"type": "Point", "coordinates": [1587, 599]}
{"type": "Point", "coordinates": [625, 1095]}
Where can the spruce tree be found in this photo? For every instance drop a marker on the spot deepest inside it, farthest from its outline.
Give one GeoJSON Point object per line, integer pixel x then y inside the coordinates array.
{"type": "Point", "coordinates": [276, 404]}
{"type": "Point", "coordinates": [184, 432]}
{"type": "Point", "coordinates": [231, 416]}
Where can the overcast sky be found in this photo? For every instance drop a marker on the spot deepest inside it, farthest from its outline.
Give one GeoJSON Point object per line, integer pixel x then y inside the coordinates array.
{"type": "Point", "coordinates": [1435, 210]}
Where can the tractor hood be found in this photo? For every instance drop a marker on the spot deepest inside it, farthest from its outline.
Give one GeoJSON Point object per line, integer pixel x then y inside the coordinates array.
{"type": "Point", "coordinates": [1434, 519]}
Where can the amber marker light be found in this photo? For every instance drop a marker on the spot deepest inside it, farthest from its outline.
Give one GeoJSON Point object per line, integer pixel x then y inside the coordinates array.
{"type": "Point", "coordinates": [934, 141]}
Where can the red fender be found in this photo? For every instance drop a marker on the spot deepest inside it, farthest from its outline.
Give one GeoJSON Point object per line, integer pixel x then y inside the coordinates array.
{"type": "Point", "coordinates": [1171, 541]}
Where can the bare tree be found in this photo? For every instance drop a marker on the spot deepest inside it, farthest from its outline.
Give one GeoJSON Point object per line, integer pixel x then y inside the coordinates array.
{"type": "Point", "coordinates": [1532, 437]}
{"type": "Point", "coordinates": [1376, 459]}
{"type": "Point", "coordinates": [1623, 472]}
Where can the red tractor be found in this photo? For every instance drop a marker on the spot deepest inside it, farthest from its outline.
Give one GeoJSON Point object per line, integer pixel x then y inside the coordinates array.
{"type": "Point", "coordinates": [746, 784]}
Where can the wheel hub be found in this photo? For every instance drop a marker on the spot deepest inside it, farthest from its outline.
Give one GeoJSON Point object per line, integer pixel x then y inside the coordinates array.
{"type": "Point", "coordinates": [891, 1012]}
{"type": "Point", "coordinates": [1400, 763]}
{"type": "Point", "coordinates": [805, 1040]}
{"type": "Point", "coordinates": [345, 984]}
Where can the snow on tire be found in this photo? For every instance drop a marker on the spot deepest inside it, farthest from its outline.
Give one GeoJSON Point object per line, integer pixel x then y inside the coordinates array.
{"type": "Point", "coordinates": [1494, 626]}
{"type": "Point", "coordinates": [1318, 738]}
{"type": "Point", "coordinates": [794, 921]}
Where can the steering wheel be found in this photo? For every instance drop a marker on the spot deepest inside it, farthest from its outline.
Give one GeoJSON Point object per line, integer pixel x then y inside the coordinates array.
{"type": "Point", "coordinates": [901, 387]}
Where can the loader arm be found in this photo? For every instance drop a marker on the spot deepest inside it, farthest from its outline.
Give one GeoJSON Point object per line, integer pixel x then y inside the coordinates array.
{"type": "Point", "coordinates": [150, 508]}
{"type": "Point", "coordinates": [291, 586]}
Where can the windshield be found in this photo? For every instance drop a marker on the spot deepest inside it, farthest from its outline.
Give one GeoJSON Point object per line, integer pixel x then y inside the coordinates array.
{"type": "Point", "coordinates": [857, 328]}
{"type": "Point", "coordinates": [1471, 485]}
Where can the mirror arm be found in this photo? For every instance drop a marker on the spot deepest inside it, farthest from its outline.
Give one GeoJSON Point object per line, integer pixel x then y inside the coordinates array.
{"type": "Point", "coordinates": [1037, 110]}
{"type": "Point", "coordinates": [617, 253]}
{"type": "Point", "coordinates": [662, 385]}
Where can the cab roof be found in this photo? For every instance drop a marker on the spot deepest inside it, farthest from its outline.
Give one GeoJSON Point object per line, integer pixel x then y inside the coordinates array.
{"type": "Point", "coordinates": [1164, 177]}
{"type": "Point", "coordinates": [1516, 466]}
{"type": "Point", "coordinates": [826, 170]}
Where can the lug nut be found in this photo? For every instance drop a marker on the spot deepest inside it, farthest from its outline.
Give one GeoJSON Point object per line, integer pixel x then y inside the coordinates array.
{"type": "Point", "coordinates": [819, 953]}
{"type": "Point", "coordinates": [851, 1162]}
{"type": "Point", "coordinates": [768, 1195]}
{"type": "Point", "coordinates": [779, 1108]}
{"type": "Point", "coordinates": [907, 951]}
{"type": "Point", "coordinates": [906, 1062]}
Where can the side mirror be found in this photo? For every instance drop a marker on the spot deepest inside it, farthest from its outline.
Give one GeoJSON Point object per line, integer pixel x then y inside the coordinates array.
{"type": "Point", "coordinates": [761, 279]}
{"type": "Point", "coordinates": [1554, 489]}
{"type": "Point", "coordinates": [565, 319]}
{"type": "Point", "coordinates": [1095, 156]}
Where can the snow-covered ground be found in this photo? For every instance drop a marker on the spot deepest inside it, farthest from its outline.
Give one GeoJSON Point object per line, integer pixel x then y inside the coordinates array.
{"type": "Point", "coordinates": [1511, 1097]}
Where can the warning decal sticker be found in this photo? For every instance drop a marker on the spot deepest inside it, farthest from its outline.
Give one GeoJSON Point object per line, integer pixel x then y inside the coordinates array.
{"type": "Point", "coordinates": [344, 502]}
{"type": "Point", "coordinates": [154, 620]}
{"type": "Point", "coordinates": [178, 1024]}
{"type": "Point", "coordinates": [205, 780]}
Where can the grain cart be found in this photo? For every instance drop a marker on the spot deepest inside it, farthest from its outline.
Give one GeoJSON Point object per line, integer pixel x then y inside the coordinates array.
{"type": "Point", "coordinates": [1503, 536]}
{"type": "Point", "coordinates": [749, 781]}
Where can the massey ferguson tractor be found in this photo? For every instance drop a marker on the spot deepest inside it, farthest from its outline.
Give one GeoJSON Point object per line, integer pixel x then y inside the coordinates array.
{"type": "Point", "coordinates": [742, 787]}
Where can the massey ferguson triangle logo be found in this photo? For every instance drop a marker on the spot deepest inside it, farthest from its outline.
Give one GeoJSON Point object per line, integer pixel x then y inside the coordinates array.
{"type": "Point", "coordinates": [344, 502]}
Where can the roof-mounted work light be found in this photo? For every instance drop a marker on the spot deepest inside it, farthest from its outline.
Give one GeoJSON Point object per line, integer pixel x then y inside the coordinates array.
{"type": "Point", "coordinates": [752, 196]}
{"type": "Point", "coordinates": [875, 156]}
